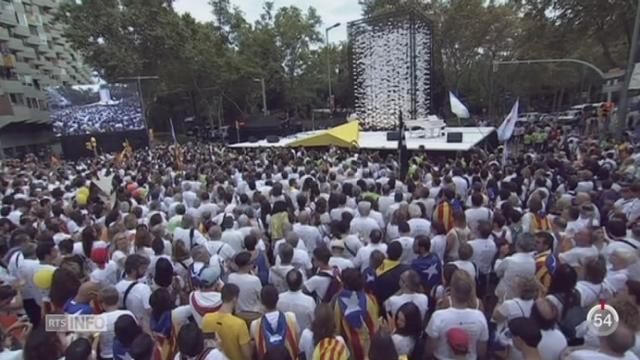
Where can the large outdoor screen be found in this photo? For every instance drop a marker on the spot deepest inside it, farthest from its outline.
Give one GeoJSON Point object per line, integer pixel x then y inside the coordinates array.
{"type": "Point", "coordinates": [94, 109]}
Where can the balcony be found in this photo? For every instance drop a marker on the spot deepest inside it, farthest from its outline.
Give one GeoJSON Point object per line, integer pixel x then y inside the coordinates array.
{"type": "Point", "coordinates": [21, 31]}
{"type": "Point", "coordinates": [47, 4]}
{"type": "Point", "coordinates": [11, 86]}
{"type": "Point", "coordinates": [34, 19]}
{"type": "Point", "coordinates": [16, 44]}
{"type": "Point", "coordinates": [24, 68]}
{"type": "Point", "coordinates": [39, 116]}
{"type": "Point", "coordinates": [21, 112]}
{"type": "Point", "coordinates": [8, 16]}
{"type": "Point", "coordinates": [28, 53]}
{"type": "Point", "coordinates": [34, 40]}
{"type": "Point", "coordinates": [58, 49]}
{"type": "Point", "coordinates": [4, 34]}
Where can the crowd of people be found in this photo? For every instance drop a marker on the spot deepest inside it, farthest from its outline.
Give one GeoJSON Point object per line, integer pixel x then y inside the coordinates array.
{"type": "Point", "coordinates": [97, 118]}
{"type": "Point", "coordinates": [323, 254]}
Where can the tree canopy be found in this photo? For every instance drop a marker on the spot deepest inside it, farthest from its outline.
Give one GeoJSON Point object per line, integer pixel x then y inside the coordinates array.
{"type": "Point", "coordinates": [211, 69]}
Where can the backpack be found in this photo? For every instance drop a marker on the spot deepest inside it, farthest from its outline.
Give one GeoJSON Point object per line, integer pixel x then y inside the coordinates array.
{"type": "Point", "coordinates": [571, 317]}
{"type": "Point", "coordinates": [281, 336]}
{"type": "Point", "coordinates": [457, 205]}
{"type": "Point", "coordinates": [194, 278]}
{"type": "Point", "coordinates": [335, 285]}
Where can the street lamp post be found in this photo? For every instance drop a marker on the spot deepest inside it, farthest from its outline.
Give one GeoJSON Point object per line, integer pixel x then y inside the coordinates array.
{"type": "Point", "coordinates": [264, 96]}
{"type": "Point", "coordinates": [326, 32]}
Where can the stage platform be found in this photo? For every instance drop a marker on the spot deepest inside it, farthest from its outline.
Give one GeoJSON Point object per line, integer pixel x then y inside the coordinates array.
{"type": "Point", "coordinates": [471, 136]}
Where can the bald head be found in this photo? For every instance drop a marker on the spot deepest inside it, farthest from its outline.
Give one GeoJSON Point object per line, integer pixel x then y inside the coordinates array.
{"type": "Point", "coordinates": [215, 232]}
{"type": "Point", "coordinates": [620, 341]}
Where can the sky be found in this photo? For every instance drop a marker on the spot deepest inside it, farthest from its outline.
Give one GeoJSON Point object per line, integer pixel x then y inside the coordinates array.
{"type": "Point", "coordinates": [331, 11]}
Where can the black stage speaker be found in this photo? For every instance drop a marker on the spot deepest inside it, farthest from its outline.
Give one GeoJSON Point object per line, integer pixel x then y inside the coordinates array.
{"type": "Point", "coordinates": [454, 137]}
{"type": "Point", "coordinates": [271, 139]}
{"type": "Point", "coordinates": [393, 135]}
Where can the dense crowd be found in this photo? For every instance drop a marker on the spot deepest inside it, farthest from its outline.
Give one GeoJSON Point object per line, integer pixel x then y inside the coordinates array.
{"type": "Point", "coordinates": [324, 254]}
{"type": "Point", "coordinates": [96, 118]}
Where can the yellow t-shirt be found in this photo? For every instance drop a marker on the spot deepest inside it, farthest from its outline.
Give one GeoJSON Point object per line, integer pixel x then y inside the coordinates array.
{"type": "Point", "coordinates": [231, 330]}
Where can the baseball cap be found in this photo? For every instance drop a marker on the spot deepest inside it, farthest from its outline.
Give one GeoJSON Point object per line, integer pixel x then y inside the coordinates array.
{"type": "Point", "coordinates": [100, 256]}
{"type": "Point", "coordinates": [209, 276]}
{"type": "Point", "coordinates": [458, 340]}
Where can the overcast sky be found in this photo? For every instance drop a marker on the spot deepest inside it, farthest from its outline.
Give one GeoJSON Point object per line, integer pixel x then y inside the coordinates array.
{"type": "Point", "coordinates": [331, 11]}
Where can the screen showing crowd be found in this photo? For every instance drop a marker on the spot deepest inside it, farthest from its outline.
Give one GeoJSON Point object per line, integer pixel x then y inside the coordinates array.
{"type": "Point", "coordinates": [91, 109]}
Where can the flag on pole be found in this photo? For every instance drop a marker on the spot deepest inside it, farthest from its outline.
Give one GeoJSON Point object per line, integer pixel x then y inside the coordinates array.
{"type": "Point", "coordinates": [505, 131]}
{"type": "Point", "coordinates": [457, 107]}
{"type": "Point", "coordinates": [173, 131]}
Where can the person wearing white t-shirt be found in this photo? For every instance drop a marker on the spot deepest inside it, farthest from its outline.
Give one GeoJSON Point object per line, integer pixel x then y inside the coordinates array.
{"type": "Point", "coordinates": [108, 298]}
{"type": "Point", "coordinates": [249, 285]}
{"type": "Point", "coordinates": [592, 288]}
{"type": "Point", "coordinates": [216, 246]}
{"type": "Point", "coordinates": [476, 214]}
{"type": "Point", "coordinates": [520, 264]}
{"type": "Point", "coordinates": [188, 234]}
{"type": "Point", "coordinates": [278, 272]}
{"type": "Point", "coordinates": [363, 224]}
{"type": "Point", "coordinates": [484, 249]}
{"type": "Point", "coordinates": [406, 241]}
{"type": "Point", "coordinates": [134, 293]}
{"type": "Point", "coordinates": [526, 338]}
{"type": "Point", "coordinates": [361, 260]}
{"type": "Point", "coordinates": [418, 224]}
{"type": "Point", "coordinates": [337, 259]}
{"type": "Point", "coordinates": [584, 248]}
{"type": "Point", "coordinates": [318, 284]}
{"type": "Point", "coordinates": [409, 292]}
{"type": "Point", "coordinates": [449, 326]}
{"type": "Point", "coordinates": [615, 346]}
{"type": "Point", "coordinates": [295, 301]}
{"type": "Point", "coordinates": [310, 235]}
{"type": "Point", "coordinates": [465, 253]}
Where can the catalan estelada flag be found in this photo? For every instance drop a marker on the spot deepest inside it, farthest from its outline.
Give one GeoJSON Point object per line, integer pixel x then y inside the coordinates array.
{"type": "Point", "coordinates": [356, 315]}
{"type": "Point", "coordinates": [541, 222]}
{"type": "Point", "coordinates": [283, 334]}
{"type": "Point", "coordinates": [444, 215]}
{"type": "Point", "coordinates": [330, 349]}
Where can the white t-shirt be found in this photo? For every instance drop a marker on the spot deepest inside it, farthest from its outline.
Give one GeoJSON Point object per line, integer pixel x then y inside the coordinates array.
{"type": "Point", "coordinates": [107, 336]}
{"type": "Point", "coordinates": [306, 344]}
{"type": "Point", "coordinates": [588, 354]}
{"type": "Point", "coordinates": [185, 235]}
{"type": "Point", "coordinates": [138, 298]}
{"type": "Point", "coordinates": [407, 249]}
{"type": "Point", "coordinates": [396, 301]}
{"type": "Point", "coordinates": [590, 293]}
{"type": "Point", "coordinates": [466, 266]}
{"type": "Point", "coordinates": [341, 263]}
{"type": "Point", "coordinates": [250, 287]}
{"type": "Point", "coordinates": [318, 284]}
{"type": "Point", "coordinates": [213, 354]}
{"type": "Point", "coordinates": [471, 320]}
{"type": "Point", "coordinates": [475, 215]}
{"type": "Point", "coordinates": [404, 344]}
{"type": "Point", "coordinates": [572, 257]}
{"type": "Point", "coordinates": [552, 344]}
{"type": "Point", "coordinates": [419, 226]}
{"type": "Point", "coordinates": [515, 308]}
{"type": "Point", "coordinates": [361, 260]}
{"type": "Point", "coordinates": [439, 245]}
{"type": "Point", "coordinates": [300, 304]}
{"type": "Point", "coordinates": [484, 250]}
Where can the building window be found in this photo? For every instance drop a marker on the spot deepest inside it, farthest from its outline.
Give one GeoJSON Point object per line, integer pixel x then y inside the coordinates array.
{"type": "Point", "coordinates": [33, 30]}
{"type": "Point", "coordinates": [42, 104]}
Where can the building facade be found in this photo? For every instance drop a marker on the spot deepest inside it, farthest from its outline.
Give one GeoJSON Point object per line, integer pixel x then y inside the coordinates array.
{"type": "Point", "coordinates": [35, 56]}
